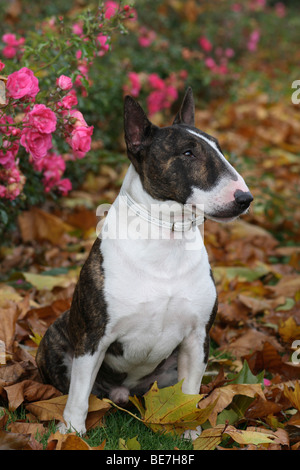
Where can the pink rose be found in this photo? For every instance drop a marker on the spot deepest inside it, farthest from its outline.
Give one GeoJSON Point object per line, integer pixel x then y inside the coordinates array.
{"type": "Point", "coordinates": [156, 82]}
{"type": "Point", "coordinates": [9, 153]}
{"type": "Point", "coordinates": [69, 100]}
{"type": "Point", "coordinates": [111, 9]}
{"type": "Point", "coordinates": [42, 119]}
{"type": "Point", "coordinates": [9, 52]}
{"type": "Point", "coordinates": [80, 140]}
{"type": "Point", "coordinates": [22, 83]}
{"type": "Point", "coordinates": [64, 186]}
{"type": "Point", "coordinates": [2, 190]}
{"type": "Point", "coordinates": [36, 143]}
{"type": "Point", "coordinates": [1, 66]}
{"type": "Point", "coordinates": [10, 39]}
{"type": "Point", "coordinates": [205, 44]}
{"type": "Point", "coordinates": [135, 82]}
{"type": "Point", "coordinates": [64, 83]}
{"type": "Point", "coordinates": [104, 47]}
{"type": "Point", "coordinates": [155, 101]}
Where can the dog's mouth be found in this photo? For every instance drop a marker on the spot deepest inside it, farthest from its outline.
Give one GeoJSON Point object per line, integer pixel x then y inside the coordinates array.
{"type": "Point", "coordinates": [226, 216]}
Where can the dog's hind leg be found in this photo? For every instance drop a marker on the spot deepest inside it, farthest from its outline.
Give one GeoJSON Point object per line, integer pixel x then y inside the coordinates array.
{"type": "Point", "coordinates": [55, 368]}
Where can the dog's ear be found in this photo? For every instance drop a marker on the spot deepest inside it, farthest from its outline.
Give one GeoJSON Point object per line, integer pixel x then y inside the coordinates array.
{"type": "Point", "coordinates": [138, 129]}
{"type": "Point", "coordinates": [186, 114]}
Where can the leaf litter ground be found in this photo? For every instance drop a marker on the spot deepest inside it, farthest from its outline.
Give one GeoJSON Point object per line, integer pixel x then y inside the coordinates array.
{"type": "Point", "coordinates": [250, 396]}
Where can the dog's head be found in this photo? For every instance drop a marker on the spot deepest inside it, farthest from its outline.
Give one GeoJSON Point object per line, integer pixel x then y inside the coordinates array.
{"type": "Point", "coordinates": [183, 164]}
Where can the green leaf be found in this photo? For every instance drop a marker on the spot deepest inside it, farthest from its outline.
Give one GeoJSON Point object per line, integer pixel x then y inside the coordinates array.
{"type": "Point", "coordinates": [245, 376]}
{"type": "Point", "coordinates": [130, 444]}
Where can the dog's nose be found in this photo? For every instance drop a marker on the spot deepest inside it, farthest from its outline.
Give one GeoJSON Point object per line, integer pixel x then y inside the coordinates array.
{"type": "Point", "coordinates": [243, 199]}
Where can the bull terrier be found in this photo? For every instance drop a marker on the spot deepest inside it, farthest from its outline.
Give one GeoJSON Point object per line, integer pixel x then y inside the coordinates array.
{"type": "Point", "coordinates": [143, 305]}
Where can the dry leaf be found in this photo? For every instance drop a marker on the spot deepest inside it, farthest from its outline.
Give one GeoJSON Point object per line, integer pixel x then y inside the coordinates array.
{"type": "Point", "coordinates": [223, 396]}
{"type": "Point", "coordinates": [48, 410]}
{"type": "Point", "coordinates": [289, 330]}
{"type": "Point", "coordinates": [39, 225]}
{"type": "Point", "coordinates": [28, 391]}
{"type": "Point", "coordinates": [211, 438]}
{"type": "Point", "coordinates": [293, 395]}
{"type": "Point", "coordinates": [13, 441]}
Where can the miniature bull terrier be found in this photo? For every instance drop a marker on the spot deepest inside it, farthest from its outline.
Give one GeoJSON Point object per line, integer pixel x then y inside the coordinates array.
{"type": "Point", "coordinates": [143, 306]}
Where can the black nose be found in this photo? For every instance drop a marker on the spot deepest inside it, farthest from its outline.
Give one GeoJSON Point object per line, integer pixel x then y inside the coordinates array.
{"type": "Point", "coordinates": [243, 199]}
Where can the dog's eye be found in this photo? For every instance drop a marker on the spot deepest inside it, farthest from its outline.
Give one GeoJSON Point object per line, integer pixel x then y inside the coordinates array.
{"type": "Point", "coordinates": [188, 153]}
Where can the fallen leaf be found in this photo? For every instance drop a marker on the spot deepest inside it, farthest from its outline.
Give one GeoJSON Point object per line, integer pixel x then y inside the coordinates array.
{"type": "Point", "coordinates": [221, 397]}
{"type": "Point", "coordinates": [293, 395]}
{"type": "Point", "coordinates": [289, 330]}
{"type": "Point", "coordinates": [170, 410]}
{"type": "Point", "coordinates": [27, 428]}
{"type": "Point", "coordinates": [13, 441]}
{"type": "Point", "coordinates": [39, 225]}
{"type": "Point", "coordinates": [130, 444]}
{"type": "Point", "coordinates": [212, 437]}
{"type": "Point", "coordinates": [28, 391]}
{"type": "Point", "coordinates": [48, 282]}
{"type": "Point", "coordinates": [47, 410]}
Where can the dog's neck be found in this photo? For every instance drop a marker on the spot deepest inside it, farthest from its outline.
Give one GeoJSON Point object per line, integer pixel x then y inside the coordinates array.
{"type": "Point", "coordinates": [169, 215]}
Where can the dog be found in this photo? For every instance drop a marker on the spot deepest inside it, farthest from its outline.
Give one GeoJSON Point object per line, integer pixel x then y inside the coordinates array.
{"type": "Point", "coordinates": [143, 305]}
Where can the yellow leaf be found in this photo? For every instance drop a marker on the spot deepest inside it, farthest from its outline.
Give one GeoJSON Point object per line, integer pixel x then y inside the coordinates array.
{"type": "Point", "coordinates": [293, 395]}
{"type": "Point", "coordinates": [210, 438]}
{"type": "Point", "coordinates": [41, 281]}
{"type": "Point", "coordinates": [289, 330]}
{"type": "Point", "coordinates": [170, 410]}
{"type": "Point", "coordinates": [130, 444]}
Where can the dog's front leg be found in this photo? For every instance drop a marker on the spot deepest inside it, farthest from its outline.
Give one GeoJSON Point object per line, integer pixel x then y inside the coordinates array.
{"type": "Point", "coordinates": [191, 367]}
{"type": "Point", "coordinates": [83, 375]}
{"type": "Point", "coordinates": [192, 361]}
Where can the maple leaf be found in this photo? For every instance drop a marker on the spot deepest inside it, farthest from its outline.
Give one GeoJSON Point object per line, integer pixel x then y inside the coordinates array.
{"type": "Point", "coordinates": [170, 410]}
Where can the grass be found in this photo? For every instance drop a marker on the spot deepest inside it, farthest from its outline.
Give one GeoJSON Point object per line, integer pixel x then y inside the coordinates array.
{"type": "Point", "coordinates": [117, 425]}
{"type": "Point", "coordinates": [120, 425]}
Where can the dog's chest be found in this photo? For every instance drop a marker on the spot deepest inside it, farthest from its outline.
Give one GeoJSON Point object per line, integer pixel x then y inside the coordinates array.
{"type": "Point", "coordinates": [156, 296]}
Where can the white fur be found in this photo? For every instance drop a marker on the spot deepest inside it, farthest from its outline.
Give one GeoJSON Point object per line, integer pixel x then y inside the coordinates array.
{"type": "Point", "coordinates": [159, 295]}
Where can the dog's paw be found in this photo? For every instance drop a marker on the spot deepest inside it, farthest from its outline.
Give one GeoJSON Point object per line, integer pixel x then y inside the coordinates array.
{"type": "Point", "coordinates": [192, 434]}
{"type": "Point", "coordinates": [64, 428]}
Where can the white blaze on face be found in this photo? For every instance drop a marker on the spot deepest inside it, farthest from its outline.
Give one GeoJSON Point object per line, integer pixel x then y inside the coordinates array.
{"type": "Point", "coordinates": [222, 193]}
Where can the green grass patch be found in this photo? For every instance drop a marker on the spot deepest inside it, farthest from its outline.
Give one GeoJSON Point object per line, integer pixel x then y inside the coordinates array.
{"type": "Point", "coordinates": [120, 425]}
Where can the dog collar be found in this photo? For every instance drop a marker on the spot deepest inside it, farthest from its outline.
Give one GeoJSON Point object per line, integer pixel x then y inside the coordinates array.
{"type": "Point", "coordinates": [144, 214]}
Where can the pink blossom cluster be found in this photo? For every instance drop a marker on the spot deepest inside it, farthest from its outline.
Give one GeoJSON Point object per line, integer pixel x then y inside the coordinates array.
{"type": "Point", "coordinates": [53, 167]}
{"type": "Point", "coordinates": [146, 36]}
{"type": "Point", "coordinates": [217, 62]}
{"type": "Point", "coordinates": [253, 40]}
{"type": "Point", "coordinates": [13, 46]}
{"type": "Point", "coordinates": [13, 181]}
{"type": "Point", "coordinates": [35, 130]}
{"type": "Point", "coordinates": [161, 92]}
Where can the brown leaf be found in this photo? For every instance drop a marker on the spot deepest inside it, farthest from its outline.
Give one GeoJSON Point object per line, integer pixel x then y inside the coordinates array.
{"type": "Point", "coordinates": [260, 408]}
{"type": "Point", "coordinates": [13, 441]}
{"type": "Point", "coordinates": [288, 286]}
{"type": "Point", "coordinates": [26, 428]}
{"type": "Point", "coordinates": [46, 410]}
{"type": "Point", "coordinates": [39, 225]}
{"type": "Point", "coordinates": [28, 391]}
{"type": "Point", "coordinates": [224, 396]}
{"type": "Point", "coordinates": [251, 340]}
{"type": "Point", "coordinates": [270, 360]}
